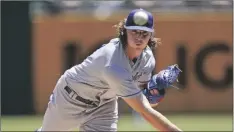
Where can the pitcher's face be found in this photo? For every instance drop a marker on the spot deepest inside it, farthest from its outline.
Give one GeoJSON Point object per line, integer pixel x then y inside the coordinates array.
{"type": "Point", "coordinates": [138, 39]}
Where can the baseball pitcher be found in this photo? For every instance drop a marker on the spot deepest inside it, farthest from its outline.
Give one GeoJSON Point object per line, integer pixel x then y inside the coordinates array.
{"type": "Point", "coordinates": [85, 96]}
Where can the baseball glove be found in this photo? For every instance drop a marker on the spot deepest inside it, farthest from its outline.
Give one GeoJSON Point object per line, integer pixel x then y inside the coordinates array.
{"type": "Point", "coordinates": [160, 82]}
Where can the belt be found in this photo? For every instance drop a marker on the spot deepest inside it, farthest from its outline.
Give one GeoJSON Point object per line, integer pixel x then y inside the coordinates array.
{"type": "Point", "coordinates": [74, 95]}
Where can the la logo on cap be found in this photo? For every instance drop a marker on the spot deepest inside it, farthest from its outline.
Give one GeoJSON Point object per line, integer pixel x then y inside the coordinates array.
{"type": "Point", "coordinates": [140, 18]}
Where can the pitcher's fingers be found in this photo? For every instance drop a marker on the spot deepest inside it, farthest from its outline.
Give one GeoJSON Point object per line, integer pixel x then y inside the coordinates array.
{"type": "Point", "coordinates": [154, 92]}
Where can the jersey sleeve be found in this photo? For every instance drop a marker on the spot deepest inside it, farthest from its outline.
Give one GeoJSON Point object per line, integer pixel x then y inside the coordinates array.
{"type": "Point", "coordinates": [120, 81]}
{"type": "Point", "coordinates": [145, 78]}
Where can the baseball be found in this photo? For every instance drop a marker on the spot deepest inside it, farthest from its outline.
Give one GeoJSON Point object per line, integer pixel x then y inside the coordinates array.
{"type": "Point", "coordinates": [140, 18]}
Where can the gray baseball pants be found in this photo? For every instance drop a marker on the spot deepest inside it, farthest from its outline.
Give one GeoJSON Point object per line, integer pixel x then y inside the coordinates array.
{"type": "Point", "coordinates": [65, 113]}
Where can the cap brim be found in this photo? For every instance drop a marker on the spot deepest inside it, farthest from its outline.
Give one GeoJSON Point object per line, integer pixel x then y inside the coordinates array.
{"type": "Point", "coordinates": [139, 28]}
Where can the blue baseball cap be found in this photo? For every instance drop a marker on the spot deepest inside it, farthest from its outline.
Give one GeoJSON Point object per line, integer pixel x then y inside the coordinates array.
{"type": "Point", "coordinates": [140, 19]}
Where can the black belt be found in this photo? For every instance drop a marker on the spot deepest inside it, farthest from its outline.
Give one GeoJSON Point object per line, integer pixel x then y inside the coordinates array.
{"type": "Point", "coordinates": [72, 94]}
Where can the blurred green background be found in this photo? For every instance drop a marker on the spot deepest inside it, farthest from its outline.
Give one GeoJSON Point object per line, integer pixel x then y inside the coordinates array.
{"type": "Point", "coordinates": [187, 122]}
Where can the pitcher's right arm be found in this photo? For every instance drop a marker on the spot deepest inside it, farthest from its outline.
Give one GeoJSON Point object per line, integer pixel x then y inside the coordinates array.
{"type": "Point", "coordinates": [120, 81]}
{"type": "Point", "coordinates": [140, 104]}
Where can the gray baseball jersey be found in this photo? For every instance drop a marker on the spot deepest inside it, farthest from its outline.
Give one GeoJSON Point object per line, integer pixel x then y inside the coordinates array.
{"type": "Point", "coordinates": [108, 69]}
{"type": "Point", "coordinates": [102, 77]}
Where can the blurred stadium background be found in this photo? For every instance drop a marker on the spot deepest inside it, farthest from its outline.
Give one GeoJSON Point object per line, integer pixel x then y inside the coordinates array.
{"type": "Point", "coordinates": [41, 39]}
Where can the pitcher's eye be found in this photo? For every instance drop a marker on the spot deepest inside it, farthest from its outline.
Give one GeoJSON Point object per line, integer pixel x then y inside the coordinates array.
{"type": "Point", "coordinates": [145, 34]}
{"type": "Point", "coordinates": [134, 31]}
